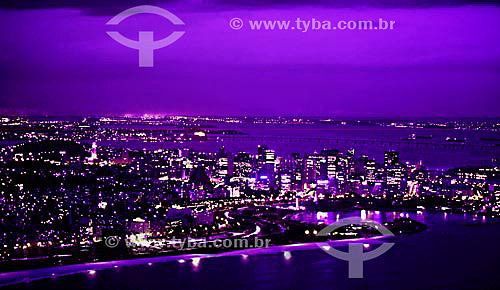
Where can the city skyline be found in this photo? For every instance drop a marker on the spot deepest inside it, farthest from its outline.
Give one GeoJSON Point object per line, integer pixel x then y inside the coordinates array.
{"type": "Point", "coordinates": [68, 198]}
{"type": "Point", "coordinates": [249, 144]}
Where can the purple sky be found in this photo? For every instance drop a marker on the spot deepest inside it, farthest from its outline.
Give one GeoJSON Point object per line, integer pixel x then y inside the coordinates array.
{"type": "Point", "coordinates": [438, 61]}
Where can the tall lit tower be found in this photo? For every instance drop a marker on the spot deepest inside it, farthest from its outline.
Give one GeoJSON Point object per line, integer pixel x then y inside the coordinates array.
{"type": "Point", "coordinates": [93, 152]}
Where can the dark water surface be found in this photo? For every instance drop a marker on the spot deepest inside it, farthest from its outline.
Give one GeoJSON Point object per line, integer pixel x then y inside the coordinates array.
{"type": "Point", "coordinates": [270, 134]}
{"type": "Point", "coordinates": [456, 252]}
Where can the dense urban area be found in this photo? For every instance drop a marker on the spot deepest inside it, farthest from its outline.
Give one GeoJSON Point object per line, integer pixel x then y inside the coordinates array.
{"type": "Point", "coordinates": [62, 196]}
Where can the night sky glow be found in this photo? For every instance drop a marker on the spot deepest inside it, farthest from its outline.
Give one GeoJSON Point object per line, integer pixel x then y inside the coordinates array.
{"type": "Point", "coordinates": [440, 60]}
{"type": "Point", "coordinates": [233, 157]}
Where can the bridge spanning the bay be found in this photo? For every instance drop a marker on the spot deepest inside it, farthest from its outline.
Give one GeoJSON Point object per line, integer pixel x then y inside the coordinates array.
{"type": "Point", "coordinates": [456, 146]}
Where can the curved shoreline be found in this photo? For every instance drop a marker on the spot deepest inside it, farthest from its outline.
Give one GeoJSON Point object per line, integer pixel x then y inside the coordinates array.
{"type": "Point", "coordinates": [26, 276]}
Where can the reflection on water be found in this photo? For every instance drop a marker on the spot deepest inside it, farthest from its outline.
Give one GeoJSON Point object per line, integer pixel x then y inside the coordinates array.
{"type": "Point", "coordinates": [382, 217]}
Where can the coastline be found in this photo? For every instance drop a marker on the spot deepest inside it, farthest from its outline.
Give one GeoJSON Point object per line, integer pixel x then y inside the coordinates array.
{"type": "Point", "coordinates": [26, 276]}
